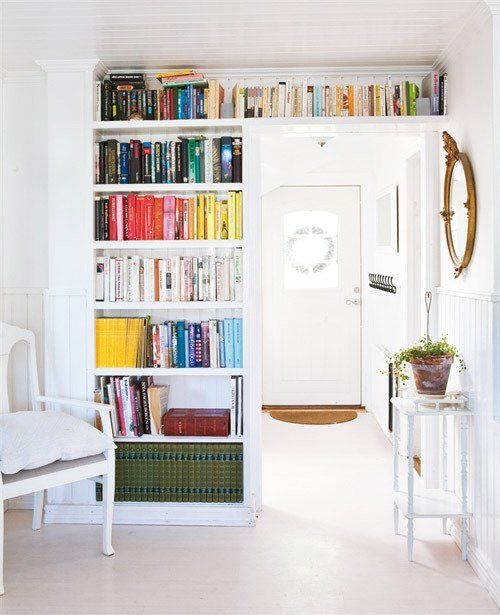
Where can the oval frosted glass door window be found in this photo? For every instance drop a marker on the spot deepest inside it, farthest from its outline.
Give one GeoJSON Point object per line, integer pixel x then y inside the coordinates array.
{"type": "Point", "coordinates": [310, 249]}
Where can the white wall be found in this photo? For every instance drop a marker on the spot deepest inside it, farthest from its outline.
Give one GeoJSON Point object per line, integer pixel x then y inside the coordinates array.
{"type": "Point", "coordinates": [468, 312]}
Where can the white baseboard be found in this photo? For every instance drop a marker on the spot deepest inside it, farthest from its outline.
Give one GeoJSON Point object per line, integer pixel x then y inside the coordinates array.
{"type": "Point", "coordinates": [153, 514]}
{"type": "Point", "coordinates": [488, 576]}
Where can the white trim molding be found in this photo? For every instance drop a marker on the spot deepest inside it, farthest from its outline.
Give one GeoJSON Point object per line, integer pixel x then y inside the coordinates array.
{"type": "Point", "coordinates": [72, 66]}
{"type": "Point", "coordinates": [480, 295]}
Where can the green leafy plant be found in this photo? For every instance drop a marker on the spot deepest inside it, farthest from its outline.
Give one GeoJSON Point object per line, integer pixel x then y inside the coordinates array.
{"type": "Point", "coordinates": [426, 348]}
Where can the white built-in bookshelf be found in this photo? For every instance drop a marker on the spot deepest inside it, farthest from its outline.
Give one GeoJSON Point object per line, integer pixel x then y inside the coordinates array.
{"type": "Point", "coordinates": [209, 387]}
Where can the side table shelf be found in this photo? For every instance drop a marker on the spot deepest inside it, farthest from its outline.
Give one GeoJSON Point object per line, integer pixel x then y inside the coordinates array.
{"type": "Point", "coordinates": [431, 503]}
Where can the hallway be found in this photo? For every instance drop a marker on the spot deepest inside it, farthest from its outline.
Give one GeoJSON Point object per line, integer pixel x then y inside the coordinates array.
{"type": "Point", "coordinates": [323, 544]}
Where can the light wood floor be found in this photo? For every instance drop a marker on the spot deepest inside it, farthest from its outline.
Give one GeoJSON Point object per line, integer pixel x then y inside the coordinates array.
{"type": "Point", "coordinates": [323, 545]}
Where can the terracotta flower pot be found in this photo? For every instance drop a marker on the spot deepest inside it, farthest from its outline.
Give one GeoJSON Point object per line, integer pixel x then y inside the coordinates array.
{"type": "Point", "coordinates": [431, 374]}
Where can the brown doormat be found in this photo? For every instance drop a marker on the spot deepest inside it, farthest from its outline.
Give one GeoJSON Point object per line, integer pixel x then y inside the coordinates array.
{"type": "Point", "coordinates": [314, 417]}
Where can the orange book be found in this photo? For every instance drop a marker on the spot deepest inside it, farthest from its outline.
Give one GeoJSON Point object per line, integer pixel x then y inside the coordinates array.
{"type": "Point", "coordinates": [350, 98]}
{"type": "Point", "coordinates": [191, 222]}
{"type": "Point", "coordinates": [158, 218]}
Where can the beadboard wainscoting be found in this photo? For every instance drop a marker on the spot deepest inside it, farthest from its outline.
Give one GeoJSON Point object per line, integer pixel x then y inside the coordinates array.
{"type": "Point", "coordinates": [471, 322]}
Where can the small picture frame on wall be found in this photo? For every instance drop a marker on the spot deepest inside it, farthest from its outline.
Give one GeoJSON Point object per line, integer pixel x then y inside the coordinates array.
{"type": "Point", "coordinates": [387, 220]}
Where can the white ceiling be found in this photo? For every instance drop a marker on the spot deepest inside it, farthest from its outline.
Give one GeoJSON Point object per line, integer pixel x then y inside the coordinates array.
{"type": "Point", "coordinates": [222, 34]}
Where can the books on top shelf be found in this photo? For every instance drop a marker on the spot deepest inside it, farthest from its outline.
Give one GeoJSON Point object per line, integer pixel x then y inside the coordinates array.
{"type": "Point", "coordinates": [188, 159]}
{"type": "Point", "coordinates": [179, 278]}
{"type": "Point", "coordinates": [288, 98]}
{"type": "Point", "coordinates": [120, 217]}
{"type": "Point", "coordinates": [135, 342]}
{"type": "Point", "coordinates": [138, 404]}
{"type": "Point", "coordinates": [185, 95]}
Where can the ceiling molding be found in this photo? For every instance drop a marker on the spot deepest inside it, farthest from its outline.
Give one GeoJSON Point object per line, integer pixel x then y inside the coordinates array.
{"type": "Point", "coordinates": [494, 6]}
{"type": "Point", "coordinates": [472, 22]}
{"type": "Point", "coordinates": [71, 66]}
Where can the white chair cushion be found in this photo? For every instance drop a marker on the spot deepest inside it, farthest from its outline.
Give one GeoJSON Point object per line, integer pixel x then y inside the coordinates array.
{"type": "Point", "coordinates": [31, 440]}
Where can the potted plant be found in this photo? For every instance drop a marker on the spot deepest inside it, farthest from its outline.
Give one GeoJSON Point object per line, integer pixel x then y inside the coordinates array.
{"type": "Point", "coordinates": [430, 362]}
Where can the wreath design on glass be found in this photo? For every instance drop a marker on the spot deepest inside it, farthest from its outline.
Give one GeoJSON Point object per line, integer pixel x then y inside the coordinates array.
{"type": "Point", "coordinates": [313, 264]}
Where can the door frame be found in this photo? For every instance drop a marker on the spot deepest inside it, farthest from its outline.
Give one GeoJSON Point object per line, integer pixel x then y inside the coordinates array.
{"type": "Point", "coordinates": [322, 183]}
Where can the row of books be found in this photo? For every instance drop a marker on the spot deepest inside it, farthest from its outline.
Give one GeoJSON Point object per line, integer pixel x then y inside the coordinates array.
{"type": "Point", "coordinates": [289, 100]}
{"type": "Point", "coordinates": [135, 342]}
{"type": "Point", "coordinates": [179, 278]}
{"type": "Point", "coordinates": [130, 217]}
{"type": "Point", "coordinates": [197, 101]}
{"type": "Point", "coordinates": [175, 472]}
{"type": "Point", "coordinates": [185, 160]}
{"type": "Point", "coordinates": [138, 404]}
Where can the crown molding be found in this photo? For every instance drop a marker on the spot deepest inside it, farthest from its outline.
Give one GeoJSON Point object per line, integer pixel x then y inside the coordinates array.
{"type": "Point", "coordinates": [471, 23]}
{"type": "Point", "coordinates": [72, 66]}
{"type": "Point", "coordinates": [494, 6]}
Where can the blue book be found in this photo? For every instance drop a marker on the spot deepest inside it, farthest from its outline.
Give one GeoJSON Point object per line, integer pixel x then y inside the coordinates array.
{"type": "Point", "coordinates": [153, 164]}
{"type": "Point", "coordinates": [222, 349]}
{"type": "Point", "coordinates": [179, 104]}
{"type": "Point", "coordinates": [175, 354]}
{"type": "Point", "coordinates": [198, 353]}
{"type": "Point", "coordinates": [181, 343]}
{"type": "Point", "coordinates": [229, 342]}
{"type": "Point", "coordinates": [192, 358]}
{"type": "Point", "coordinates": [238, 341]}
{"type": "Point", "coordinates": [226, 159]}
{"type": "Point", "coordinates": [124, 163]}
{"type": "Point", "coordinates": [186, 346]}
{"type": "Point", "coordinates": [163, 150]}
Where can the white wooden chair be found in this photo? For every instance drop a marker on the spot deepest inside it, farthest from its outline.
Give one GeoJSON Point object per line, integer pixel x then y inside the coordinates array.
{"type": "Point", "coordinates": [60, 472]}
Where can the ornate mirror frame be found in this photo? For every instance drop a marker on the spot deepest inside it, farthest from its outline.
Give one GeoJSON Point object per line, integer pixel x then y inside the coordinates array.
{"type": "Point", "coordinates": [453, 155]}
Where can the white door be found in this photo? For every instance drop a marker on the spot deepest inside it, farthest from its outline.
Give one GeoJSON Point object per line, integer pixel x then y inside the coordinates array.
{"type": "Point", "coordinates": [311, 296]}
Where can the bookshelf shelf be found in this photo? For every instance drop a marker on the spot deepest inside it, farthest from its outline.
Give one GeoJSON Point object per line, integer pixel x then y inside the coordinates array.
{"type": "Point", "coordinates": [180, 439]}
{"type": "Point", "coordinates": [163, 126]}
{"type": "Point", "coordinates": [166, 188]}
{"type": "Point", "coordinates": [160, 371]}
{"type": "Point", "coordinates": [178, 244]}
{"type": "Point", "coordinates": [167, 305]}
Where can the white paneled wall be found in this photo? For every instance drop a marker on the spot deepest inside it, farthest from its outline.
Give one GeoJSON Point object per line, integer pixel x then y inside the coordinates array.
{"type": "Point", "coordinates": [468, 322]}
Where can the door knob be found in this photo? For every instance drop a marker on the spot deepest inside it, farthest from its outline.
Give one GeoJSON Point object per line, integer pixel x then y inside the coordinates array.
{"type": "Point", "coordinates": [353, 301]}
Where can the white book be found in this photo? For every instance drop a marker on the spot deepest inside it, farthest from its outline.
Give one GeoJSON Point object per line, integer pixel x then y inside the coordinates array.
{"type": "Point", "coordinates": [281, 98]}
{"type": "Point", "coordinates": [219, 280]}
{"type": "Point", "coordinates": [238, 274]}
{"type": "Point", "coordinates": [206, 293]}
{"type": "Point", "coordinates": [226, 279]}
{"type": "Point", "coordinates": [212, 331]}
{"type": "Point", "coordinates": [194, 278]}
{"type": "Point", "coordinates": [151, 279]}
{"type": "Point", "coordinates": [114, 413]}
{"type": "Point", "coordinates": [127, 405]}
{"type": "Point", "coordinates": [112, 279]}
{"type": "Point", "coordinates": [230, 281]}
{"type": "Point", "coordinates": [162, 265]}
{"type": "Point", "coordinates": [232, 411]}
{"type": "Point", "coordinates": [239, 396]}
{"type": "Point", "coordinates": [126, 279]}
{"type": "Point", "coordinates": [106, 278]}
{"type": "Point", "coordinates": [98, 97]}
{"type": "Point", "coordinates": [175, 278]}
{"type": "Point", "coordinates": [119, 279]}
{"type": "Point", "coordinates": [99, 281]}
{"type": "Point", "coordinates": [288, 99]}
{"type": "Point", "coordinates": [168, 279]}
{"type": "Point", "coordinates": [182, 280]}
{"type": "Point", "coordinates": [135, 284]}
{"type": "Point", "coordinates": [304, 97]}
{"type": "Point", "coordinates": [200, 279]}
{"type": "Point", "coordinates": [212, 276]}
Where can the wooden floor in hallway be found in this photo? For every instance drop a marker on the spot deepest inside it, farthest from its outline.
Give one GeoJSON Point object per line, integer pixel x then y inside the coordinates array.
{"type": "Point", "coordinates": [322, 545]}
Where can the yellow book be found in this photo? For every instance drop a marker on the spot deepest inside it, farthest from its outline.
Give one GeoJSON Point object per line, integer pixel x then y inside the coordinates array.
{"type": "Point", "coordinates": [239, 215]}
{"type": "Point", "coordinates": [201, 216]}
{"type": "Point", "coordinates": [231, 215]}
{"type": "Point", "coordinates": [218, 224]}
{"type": "Point", "coordinates": [210, 217]}
{"type": "Point", "coordinates": [223, 220]}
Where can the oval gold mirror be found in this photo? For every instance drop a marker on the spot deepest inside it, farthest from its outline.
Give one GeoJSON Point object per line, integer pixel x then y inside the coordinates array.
{"type": "Point", "coordinates": [459, 212]}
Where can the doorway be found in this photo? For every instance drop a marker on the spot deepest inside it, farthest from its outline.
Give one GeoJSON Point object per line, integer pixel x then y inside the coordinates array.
{"type": "Point", "coordinates": [311, 296]}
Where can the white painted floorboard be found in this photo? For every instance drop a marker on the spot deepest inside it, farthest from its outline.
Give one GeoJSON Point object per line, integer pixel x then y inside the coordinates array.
{"type": "Point", "coordinates": [323, 544]}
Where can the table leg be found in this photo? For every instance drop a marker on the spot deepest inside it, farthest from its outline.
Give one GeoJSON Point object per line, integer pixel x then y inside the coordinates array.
{"type": "Point", "coordinates": [410, 486]}
{"type": "Point", "coordinates": [409, 539]}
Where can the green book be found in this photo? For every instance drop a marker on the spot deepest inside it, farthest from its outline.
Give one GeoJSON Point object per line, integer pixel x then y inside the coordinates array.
{"type": "Point", "coordinates": [192, 146]}
{"type": "Point", "coordinates": [197, 161]}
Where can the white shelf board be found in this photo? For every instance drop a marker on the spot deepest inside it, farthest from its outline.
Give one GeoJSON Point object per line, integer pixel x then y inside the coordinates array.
{"type": "Point", "coordinates": [199, 244]}
{"type": "Point", "coordinates": [167, 305]}
{"type": "Point", "coordinates": [431, 503]}
{"type": "Point", "coordinates": [162, 126]}
{"type": "Point", "coordinates": [183, 439]}
{"type": "Point", "coordinates": [166, 188]}
{"type": "Point", "coordinates": [164, 371]}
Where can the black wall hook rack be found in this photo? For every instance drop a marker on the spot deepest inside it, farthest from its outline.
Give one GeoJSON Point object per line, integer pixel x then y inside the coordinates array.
{"type": "Point", "coordinates": [382, 282]}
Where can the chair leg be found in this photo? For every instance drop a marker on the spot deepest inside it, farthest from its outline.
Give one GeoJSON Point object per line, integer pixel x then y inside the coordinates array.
{"type": "Point", "coordinates": [108, 498]}
{"type": "Point", "coordinates": [38, 510]}
{"type": "Point", "coordinates": [2, 590]}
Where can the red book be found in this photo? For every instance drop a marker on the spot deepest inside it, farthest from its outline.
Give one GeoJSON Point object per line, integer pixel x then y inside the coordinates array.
{"type": "Point", "coordinates": [113, 228]}
{"type": "Point", "coordinates": [149, 216]}
{"type": "Point", "coordinates": [208, 422]}
{"type": "Point", "coordinates": [158, 218]}
{"type": "Point", "coordinates": [131, 205]}
{"type": "Point", "coordinates": [126, 218]}
{"type": "Point", "coordinates": [140, 217]}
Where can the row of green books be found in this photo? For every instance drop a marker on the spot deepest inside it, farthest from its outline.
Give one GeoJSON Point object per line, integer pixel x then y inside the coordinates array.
{"type": "Point", "coordinates": [171, 472]}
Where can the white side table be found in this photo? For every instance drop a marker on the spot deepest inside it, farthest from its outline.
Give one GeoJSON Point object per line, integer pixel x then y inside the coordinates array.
{"type": "Point", "coordinates": [431, 503]}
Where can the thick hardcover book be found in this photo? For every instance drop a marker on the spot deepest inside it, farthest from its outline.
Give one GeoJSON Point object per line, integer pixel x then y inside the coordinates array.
{"type": "Point", "coordinates": [135, 172]}
{"type": "Point", "coordinates": [216, 143]}
{"type": "Point", "coordinates": [112, 162]}
{"type": "Point", "coordinates": [237, 159]}
{"type": "Point", "coordinates": [106, 111]}
{"type": "Point", "coordinates": [146, 163]}
{"type": "Point", "coordinates": [124, 163]}
{"type": "Point", "coordinates": [210, 422]}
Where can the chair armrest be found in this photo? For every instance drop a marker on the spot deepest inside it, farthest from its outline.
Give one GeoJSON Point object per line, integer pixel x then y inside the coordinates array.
{"type": "Point", "coordinates": [103, 409]}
